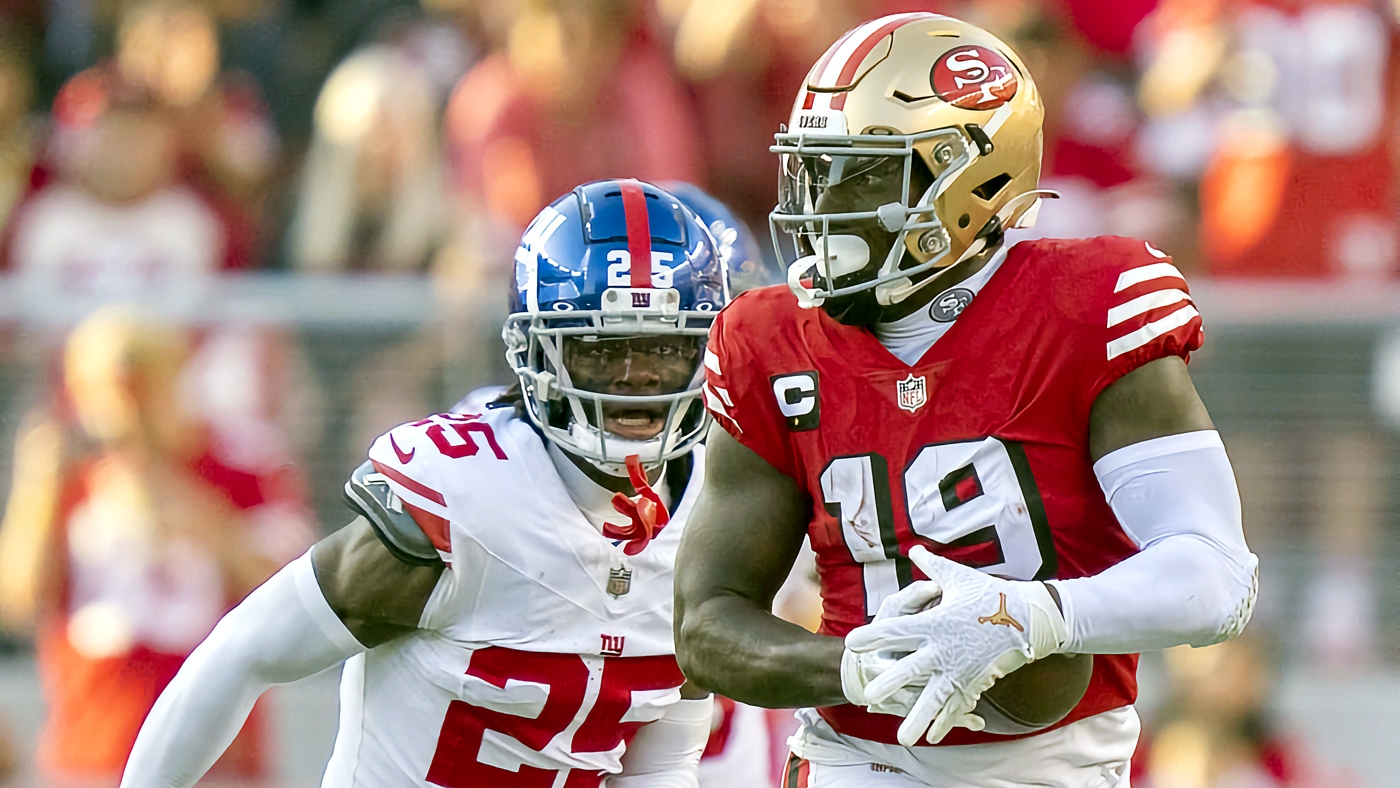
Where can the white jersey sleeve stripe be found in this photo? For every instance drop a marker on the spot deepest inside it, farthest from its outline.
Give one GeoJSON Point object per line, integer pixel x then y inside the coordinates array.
{"type": "Point", "coordinates": [1135, 276]}
{"type": "Point", "coordinates": [712, 361]}
{"type": "Point", "coordinates": [1151, 331]}
{"type": "Point", "coordinates": [1144, 304]}
{"type": "Point", "coordinates": [712, 401]}
{"type": "Point", "coordinates": [723, 394]}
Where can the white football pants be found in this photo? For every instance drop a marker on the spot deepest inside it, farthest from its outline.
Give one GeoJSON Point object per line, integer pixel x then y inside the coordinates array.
{"type": "Point", "coordinates": [1090, 753]}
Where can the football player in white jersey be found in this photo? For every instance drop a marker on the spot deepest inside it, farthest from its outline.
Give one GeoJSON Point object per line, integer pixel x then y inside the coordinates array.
{"type": "Point", "coordinates": [503, 601]}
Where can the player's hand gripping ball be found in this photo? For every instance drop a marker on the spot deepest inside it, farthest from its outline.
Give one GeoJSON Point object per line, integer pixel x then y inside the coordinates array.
{"type": "Point", "coordinates": [949, 652]}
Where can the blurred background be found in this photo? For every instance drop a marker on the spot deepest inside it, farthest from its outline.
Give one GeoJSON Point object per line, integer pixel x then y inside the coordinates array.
{"type": "Point", "coordinates": [243, 237]}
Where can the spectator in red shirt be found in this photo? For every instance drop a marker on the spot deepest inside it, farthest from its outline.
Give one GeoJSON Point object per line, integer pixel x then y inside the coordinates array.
{"type": "Point", "coordinates": [123, 544]}
{"type": "Point", "coordinates": [115, 223]}
{"type": "Point", "coordinates": [577, 92]}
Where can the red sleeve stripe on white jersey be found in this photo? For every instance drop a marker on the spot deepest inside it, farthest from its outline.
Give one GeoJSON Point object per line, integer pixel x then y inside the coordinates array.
{"type": "Point", "coordinates": [1144, 304]}
{"type": "Point", "coordinates": [1136, 339]}
{"type": "Point", "coordinates": [1146, 273]}
{"type": "Point", "coordinates": [417, 493]}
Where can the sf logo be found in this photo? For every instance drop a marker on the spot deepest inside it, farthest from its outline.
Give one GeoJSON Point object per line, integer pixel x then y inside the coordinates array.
{"type": "Point", "coordinates": [974, 77]}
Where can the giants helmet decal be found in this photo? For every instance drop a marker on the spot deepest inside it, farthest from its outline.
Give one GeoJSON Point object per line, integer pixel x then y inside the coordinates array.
{"type": "Point", "coordinates": [612, 260]}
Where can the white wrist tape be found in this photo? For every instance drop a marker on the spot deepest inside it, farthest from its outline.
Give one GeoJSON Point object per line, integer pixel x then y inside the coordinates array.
{"type": "Point", "coordinates": [1194, 580]}
{"type": "Point", "coordinates": [666, 753]}
{"type": "Point", "coordinates": [284, 631]}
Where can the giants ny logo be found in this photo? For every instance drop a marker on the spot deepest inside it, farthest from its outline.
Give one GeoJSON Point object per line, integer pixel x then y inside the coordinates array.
{"type": "Point", "coordinates": [612, 645]}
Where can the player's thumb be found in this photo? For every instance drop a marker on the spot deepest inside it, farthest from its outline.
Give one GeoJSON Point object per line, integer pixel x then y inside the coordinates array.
{"type": "Point", "coordinates": [913, 598]}
{"type": "Point", "coordinates": [935, 568]}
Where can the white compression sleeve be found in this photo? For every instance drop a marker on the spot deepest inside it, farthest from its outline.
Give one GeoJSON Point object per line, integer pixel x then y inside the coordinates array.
{"type": "Point", "coordinates": [666, 753]}
{"type": "Point", "coordinates": [285, 630]}
{"type": "Point", "coordinates": [1194, 580]}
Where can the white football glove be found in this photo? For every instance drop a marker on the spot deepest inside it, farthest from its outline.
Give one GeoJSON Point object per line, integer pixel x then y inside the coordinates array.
{"type": "Point", "coordinates": [860, 668]}
{"type": "Point", "coordinates": [978, 629]}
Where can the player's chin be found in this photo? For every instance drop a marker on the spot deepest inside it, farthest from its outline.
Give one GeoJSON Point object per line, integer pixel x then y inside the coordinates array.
{"type": "Point", "coordinates": [635, 424]}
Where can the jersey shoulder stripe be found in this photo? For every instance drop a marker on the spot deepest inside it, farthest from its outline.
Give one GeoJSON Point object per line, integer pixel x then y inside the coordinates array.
{"type": "Point", "coordinates": [369, 493]}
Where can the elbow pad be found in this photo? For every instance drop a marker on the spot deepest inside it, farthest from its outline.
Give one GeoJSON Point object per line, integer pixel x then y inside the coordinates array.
{"type": "Point", "coordinates": [1195, 580]}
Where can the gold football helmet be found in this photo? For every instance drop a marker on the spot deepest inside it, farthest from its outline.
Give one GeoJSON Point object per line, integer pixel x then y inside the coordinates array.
{"type": "Point", "coordinates": [914, 143]}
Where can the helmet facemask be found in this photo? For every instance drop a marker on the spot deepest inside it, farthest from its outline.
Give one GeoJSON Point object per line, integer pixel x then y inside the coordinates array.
{"type": "Point", "coordinates": [615, 382]}
{"type": "Point", "coordinates": [852, 211]}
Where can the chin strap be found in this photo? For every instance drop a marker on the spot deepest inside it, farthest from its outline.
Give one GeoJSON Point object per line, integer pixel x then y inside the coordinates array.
{"type": "Point", "coordinates": [646, 509]}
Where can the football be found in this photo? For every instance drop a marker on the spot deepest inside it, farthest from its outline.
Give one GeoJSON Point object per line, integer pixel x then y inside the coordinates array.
{"type": "Point", "coordinates": [1037, 695]}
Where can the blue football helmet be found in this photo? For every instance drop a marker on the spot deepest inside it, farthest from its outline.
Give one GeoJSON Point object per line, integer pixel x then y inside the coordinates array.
{"type": "Point", "coordinates": [740, 251]}
{"type": "Point", "coordinates": [612, 271]}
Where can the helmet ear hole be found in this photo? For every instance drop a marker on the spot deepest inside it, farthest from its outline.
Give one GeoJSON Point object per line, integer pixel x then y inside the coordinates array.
{"type": "Point", "coordinates": [964, 221]}
{"type": "Point", "coordinates": [991, 186]}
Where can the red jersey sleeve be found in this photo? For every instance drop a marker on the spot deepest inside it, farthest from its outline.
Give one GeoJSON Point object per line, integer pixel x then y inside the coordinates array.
{"type": "Point", "coordinates": [1138, 309]}
{"type": "Point", "coordinates": [737, 390]}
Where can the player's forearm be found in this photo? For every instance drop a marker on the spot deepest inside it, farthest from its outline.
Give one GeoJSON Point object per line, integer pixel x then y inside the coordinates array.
{"type": "Point", "coordinates": [1180, 591]}
{"type": "Point", "coordinates": [731, 646]}
{"type": "Point", "coordinates": [1194, 581]}
{"type": "Point", "coordinates": [282, 632]}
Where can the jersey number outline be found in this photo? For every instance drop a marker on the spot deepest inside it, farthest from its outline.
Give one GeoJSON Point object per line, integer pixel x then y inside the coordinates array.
{"type": "Point", "coordinates": [457, 760]}
{"type": "Point", "coordinates": [464, 445]}
{"type": "Point", "coordinates": [976, 501]}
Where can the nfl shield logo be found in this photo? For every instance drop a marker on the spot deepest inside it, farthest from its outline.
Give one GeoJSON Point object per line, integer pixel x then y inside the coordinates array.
{"type": "Point", "coordinates": [912, 393]}
{"type": "Point", "coordinates": [619, 581]}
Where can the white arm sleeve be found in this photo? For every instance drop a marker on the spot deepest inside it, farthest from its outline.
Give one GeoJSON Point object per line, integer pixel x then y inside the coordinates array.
{"type": "Point", "coordinates": [1194, 580]}
{"type": "Point", "coordinates": [285, 630]}
{"type": "Point", "coordinates": [666, 753]}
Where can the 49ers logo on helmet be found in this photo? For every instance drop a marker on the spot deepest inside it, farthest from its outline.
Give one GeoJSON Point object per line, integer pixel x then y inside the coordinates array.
{"type": "Point", "coordinates": [973, 77]}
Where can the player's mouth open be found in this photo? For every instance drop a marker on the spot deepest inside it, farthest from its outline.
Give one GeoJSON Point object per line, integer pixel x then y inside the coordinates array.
{"type": "Point", "coordinates": [635, 423]}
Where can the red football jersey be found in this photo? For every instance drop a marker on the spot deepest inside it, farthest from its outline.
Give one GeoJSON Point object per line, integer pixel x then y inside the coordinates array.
{"type": "Point", "coordinates": [979, 451]}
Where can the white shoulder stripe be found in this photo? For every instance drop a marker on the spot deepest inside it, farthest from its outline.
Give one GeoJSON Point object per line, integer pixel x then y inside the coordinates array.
{"type": "Point", "coordinates": [1151, 331]}
{"type": "Point", "coordinates": [1134, 276]}
{"type": "Point", "coordinates": [712, 401]}
{"type": "Point", "coordinates": [712, 362]}
{"type": "Point", "coordinates": [1145, 303]}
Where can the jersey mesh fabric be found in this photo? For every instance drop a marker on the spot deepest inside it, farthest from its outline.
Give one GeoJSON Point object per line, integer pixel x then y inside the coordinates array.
{"type": "Point", "coordinates": [543, 648]}
{"type": "Point", "coordinates": [979, 450]}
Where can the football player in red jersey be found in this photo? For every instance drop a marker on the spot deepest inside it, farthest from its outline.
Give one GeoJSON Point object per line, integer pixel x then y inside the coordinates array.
{"type": "Point", "coordinates": [997, 452]}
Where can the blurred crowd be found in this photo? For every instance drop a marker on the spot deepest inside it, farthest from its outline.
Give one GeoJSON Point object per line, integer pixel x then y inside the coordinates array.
{"type": "Point", "coordinates": [148, 147]}
{"type": "Point", "coordinates": [144, 140]}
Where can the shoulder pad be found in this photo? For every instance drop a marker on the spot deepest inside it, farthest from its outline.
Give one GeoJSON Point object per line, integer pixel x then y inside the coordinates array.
{"type": "Point", "coordinates": [368, 493]}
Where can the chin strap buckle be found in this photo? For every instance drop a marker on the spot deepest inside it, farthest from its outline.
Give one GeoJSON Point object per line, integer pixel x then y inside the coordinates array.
{"type": "Point", "coordinates": [646, 509]}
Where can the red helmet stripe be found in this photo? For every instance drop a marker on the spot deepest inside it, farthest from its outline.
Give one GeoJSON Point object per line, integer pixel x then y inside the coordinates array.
{"type": "Point", "coordinates": [634, 206]}
{"type": "Point", "coordinates": [848, 70]}
{"type": "Point", "coordinates": [820, 67]}
{"type": "Point", "coordinates": [810, 100]}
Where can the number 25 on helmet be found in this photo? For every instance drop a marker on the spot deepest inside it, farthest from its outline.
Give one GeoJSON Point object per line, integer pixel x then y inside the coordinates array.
{"type": "Point", "coordinates": [915, 141]}
{"type": "Point", "coordinates": [615, 287]}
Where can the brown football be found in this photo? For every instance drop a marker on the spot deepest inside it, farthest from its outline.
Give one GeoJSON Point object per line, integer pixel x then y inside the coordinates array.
{"type": "Point", "coordinates": [1037, 695]}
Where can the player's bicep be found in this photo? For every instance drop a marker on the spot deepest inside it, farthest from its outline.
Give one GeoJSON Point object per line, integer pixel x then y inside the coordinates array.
{"type": "Point", "coordinates": [1153, 401]}
{"type": "Point", "coordinates": [746, 529]}
{"type": "Point", "coordinates": [378, 596]}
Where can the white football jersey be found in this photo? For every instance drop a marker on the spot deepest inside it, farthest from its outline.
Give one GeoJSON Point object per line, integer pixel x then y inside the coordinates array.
{"type": "Point", "coordinates": [543, 647]}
